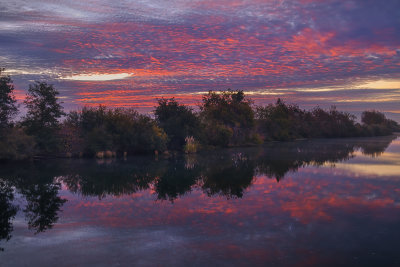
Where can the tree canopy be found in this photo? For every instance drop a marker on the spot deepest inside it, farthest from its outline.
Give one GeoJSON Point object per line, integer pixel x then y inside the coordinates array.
{"type": "Point", "coordinates": [225, 118]}
{"type": "Point", "coordinates": [178, 121]}
{"type": "Point", "coordinates": [8, 107]}
{"type": "Point", "coordinates": [44, 112]}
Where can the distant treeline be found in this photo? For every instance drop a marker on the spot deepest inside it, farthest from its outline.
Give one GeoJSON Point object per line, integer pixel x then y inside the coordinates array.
{"type": "Point", "coordinates": [224, 119]}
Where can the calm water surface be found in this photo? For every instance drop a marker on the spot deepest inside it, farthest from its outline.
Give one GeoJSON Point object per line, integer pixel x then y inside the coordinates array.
{"type": "Point", "coordinates": [306, 203]}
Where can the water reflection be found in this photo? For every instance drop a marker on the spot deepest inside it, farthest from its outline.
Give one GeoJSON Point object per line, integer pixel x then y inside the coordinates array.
{"type": "Point", "coordinates": [7, 211]}
{"type": "Point", "coordinates": [43, 205]}
{"type": "Point", "coordinates": [227, 173]}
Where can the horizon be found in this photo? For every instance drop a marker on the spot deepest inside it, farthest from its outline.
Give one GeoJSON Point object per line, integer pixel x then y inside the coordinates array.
{"type": "Point", "coordinates": [128, 54]}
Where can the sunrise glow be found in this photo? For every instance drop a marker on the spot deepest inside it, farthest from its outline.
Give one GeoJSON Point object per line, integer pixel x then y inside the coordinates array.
{"type": "Point", "coordinates": [97, 77]}
{"type": "Point", "coordinates": [343, 53]}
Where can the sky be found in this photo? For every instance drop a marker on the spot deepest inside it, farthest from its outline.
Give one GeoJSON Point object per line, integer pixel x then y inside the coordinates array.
{"type": "Point", "coordinates": [130, 53]}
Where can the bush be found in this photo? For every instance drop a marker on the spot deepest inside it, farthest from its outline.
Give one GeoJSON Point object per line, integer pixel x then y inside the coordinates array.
{"type": "Point", "coordinates": [16, 145]}
{"type": "Point", "coordinates": [377, 124]}
{"type": "Point", "coordinates": [219, 135]}
{"type": "Point", "coordinates": [121, 130]}
{"type": "Point", "coordinates": [281, 121]}
{"type": "Point", "coordinates": [228, 117]}
{"type": "Point", "coordinates": [284, 122]}
{"type": "Point", "coordinates": [178, 121]}
{"type": "Point", "coordinates": [191, 145]}
{"type": "Point", "coordinates": [372, 117]}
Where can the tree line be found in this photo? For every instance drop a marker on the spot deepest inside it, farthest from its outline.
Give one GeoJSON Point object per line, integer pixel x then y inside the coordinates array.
{"type": "Point", "coordinates": [224, 119]}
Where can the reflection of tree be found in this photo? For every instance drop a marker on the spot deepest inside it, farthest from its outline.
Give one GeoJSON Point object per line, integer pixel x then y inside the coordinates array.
{"type": "Point", "coordinates": [43, 206]}
{"type": "Point", "coordinates": [376, 147]}
{"type": "Point", "coordinates": [176, 180]}
{"type": "Point", "coordinates": [229, 178]}
{"type": "Point", "coordinates": [35, 182]}
{"type": "Point", "coordinates": [118, 178]}
{"type": "Point", "coordinates": [277, 161]}
{"type": "Point", "coordinates": [7, 211]}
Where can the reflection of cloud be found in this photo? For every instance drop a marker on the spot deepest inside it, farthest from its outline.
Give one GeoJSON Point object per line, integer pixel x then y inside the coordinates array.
{"type": "Point", "coordinates": [369, 170]}
{"type": "Point", "coordinates": [386, 164]}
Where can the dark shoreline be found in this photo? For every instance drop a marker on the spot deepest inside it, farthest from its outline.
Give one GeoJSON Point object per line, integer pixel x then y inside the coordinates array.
{"type": "Point", "coordinates": [177, 153]}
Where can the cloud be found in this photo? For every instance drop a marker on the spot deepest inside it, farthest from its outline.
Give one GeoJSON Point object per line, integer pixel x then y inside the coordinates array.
{"type": "Point", "coordinates": [184, 47]}
{"type": "Point", "coordinates": [97, 77]}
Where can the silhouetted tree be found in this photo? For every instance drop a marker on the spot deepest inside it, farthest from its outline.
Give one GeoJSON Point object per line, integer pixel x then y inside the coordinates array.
{"type": "Point", "coordinates": [178, 121]}
{"type": "Point", "coordinates": [282, 121]}
{"type": "Point", "coordinates": [372, 117]}
{"type": "Point", "coordinates": [41, 120]}
{"type": "Point", "coordinates": [8, 107]}
{"type": "Point", "coordinates": [116, 129]}
{"type": "Point", "coordinates": [376, 123]}
{"type": "Point", "coordinates": [14, 143]}
{"type": "Point", "coordinates": [228, 117]}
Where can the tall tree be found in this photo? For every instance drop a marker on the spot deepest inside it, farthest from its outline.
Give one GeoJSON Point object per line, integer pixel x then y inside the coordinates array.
{"type": "Point", "coordinates": [44, 110]}
{"type": "Point", "coordinates": [8, 107]}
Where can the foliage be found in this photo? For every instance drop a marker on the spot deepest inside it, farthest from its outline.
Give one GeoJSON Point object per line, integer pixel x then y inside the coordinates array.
{"type": "Point", "coordinates": [225, 118]}
{"type": "Point", "coordinates": [281, 121]}
{"type": "Point", "coordinates": [191, 145]}
{"type": "Point", "coordinates": [44, 111]}
{"type": "Point", "coordinates": [332, 123]}
{"type": "Point", "coordinates": [16, 145]}
{"type": "Point", "coordinates": [219, 135]}
{"type": "Point", "coordinates": [372, 117]}
{"type": "Point", "coordinates": [121, 130]}
{"type": "Point", "coordinates": [8, 107]}
{"type": "Point", "coordinates": [178, 121]}
{"type": "Point", "coordinates": [228, 117]}
{"type": "Point", "coordinates": [376, 123]}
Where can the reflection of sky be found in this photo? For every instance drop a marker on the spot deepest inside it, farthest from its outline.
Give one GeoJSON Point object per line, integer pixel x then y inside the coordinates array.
{"type": "Point", "coordinates": [386, 165]}
{"type": "Point", "coordinates": [130, 52]}
{"type": "Point", "coordinates": [318, 215]}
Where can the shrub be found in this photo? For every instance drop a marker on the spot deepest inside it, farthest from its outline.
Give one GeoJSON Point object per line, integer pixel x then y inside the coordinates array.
{"type": "Point", "coordinates": [178, 121]}
{"type": "Point", "coordinates": [16, 145]}
{"type": "Point", "coordinates": [121, 130]}
{"type": "Point", "coordinates": [228, 117]}
{"type": "Point", "coordinates": [191, 145]}
{"type": "Point", "coordinates": [372, 117]}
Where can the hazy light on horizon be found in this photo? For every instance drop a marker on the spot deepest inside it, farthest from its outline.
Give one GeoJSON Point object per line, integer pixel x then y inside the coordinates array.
{"type": "Point", "coordinates": [97, 77]}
